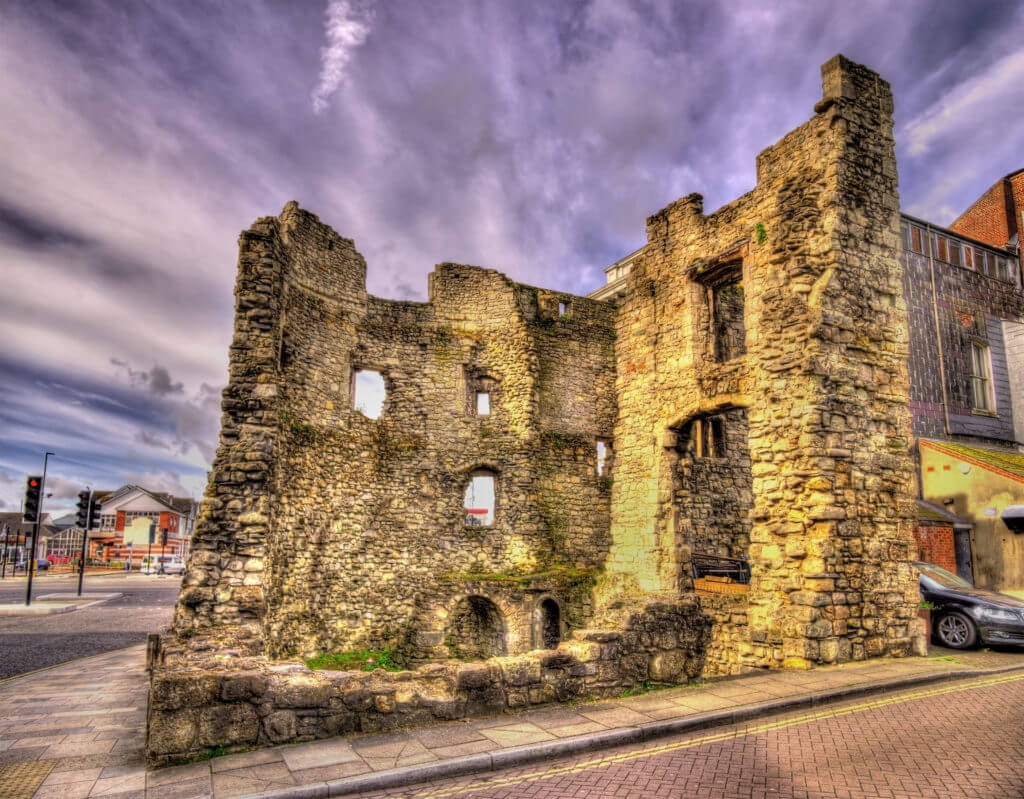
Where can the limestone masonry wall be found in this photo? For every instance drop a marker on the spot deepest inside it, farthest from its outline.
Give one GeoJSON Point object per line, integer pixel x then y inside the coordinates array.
{"type": "Point", "coordinates": [750, 394]}
{"type": "Point", "coordinates": [197, 704]}
{"type": "Point", "coordinates": [370, 546]}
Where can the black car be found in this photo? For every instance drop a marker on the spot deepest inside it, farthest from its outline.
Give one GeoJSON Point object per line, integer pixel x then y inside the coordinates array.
{"type": "Point", "coordinates": [963, 614]}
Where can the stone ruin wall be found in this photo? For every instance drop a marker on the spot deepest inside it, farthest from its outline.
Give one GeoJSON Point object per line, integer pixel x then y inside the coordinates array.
{"type": "Point", "coordinates": [324, 530]}
{"type": "Point", "coordinates": [823, 383]}
{"type": "Point", "coordinates": [369, 545]}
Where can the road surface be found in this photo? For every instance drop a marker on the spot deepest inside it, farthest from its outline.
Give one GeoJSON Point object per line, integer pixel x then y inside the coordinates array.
{"type": "Point", "coordinates": [32, 642]}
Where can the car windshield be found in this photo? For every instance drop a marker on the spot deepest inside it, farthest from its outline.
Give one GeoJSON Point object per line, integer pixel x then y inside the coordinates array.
{"type": "Point", "coordinates": [942, 577]}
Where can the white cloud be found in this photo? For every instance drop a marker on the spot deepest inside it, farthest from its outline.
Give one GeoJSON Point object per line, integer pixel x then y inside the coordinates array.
{"type": "Point", "coordinates": [347, 28]}
{"type": "Point", "coordinates": [985, 99]}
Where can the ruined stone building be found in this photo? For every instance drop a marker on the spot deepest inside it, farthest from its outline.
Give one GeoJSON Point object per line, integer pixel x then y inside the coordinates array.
{"type": "Point", "coordinates": [561, 496]}
{"type": "Point", "coordinates": [965, 308]}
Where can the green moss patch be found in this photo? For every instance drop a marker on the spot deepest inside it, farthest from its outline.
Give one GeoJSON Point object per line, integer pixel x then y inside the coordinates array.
{"type": "Point", "coordinates": [362, 660]}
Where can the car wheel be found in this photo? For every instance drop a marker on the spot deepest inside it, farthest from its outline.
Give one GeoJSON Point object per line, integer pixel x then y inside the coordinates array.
{"type": "Point", "coordinates": [956, 631]}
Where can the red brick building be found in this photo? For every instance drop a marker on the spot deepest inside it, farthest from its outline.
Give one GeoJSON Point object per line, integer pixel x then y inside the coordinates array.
{"type": "Point", "coordinates": [126, 515]}
{"type": "Point", "coordinates": [996, 218]}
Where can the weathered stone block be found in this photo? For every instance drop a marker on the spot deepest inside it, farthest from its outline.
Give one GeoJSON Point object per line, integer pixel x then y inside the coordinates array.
{"type": "Point", "coordinates": [228, 725]}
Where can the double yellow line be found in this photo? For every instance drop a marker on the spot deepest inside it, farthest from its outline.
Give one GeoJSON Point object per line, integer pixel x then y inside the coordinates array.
{"type": "Point", "coordinates": [622, 757]}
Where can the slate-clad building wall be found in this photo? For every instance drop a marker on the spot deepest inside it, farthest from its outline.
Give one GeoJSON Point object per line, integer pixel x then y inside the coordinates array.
{"type": "Point", "coordinates": [970, 307]}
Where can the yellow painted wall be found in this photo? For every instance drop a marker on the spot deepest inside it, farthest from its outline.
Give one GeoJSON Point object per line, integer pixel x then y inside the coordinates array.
{"type": "Point", "coordinates": [979, 495]}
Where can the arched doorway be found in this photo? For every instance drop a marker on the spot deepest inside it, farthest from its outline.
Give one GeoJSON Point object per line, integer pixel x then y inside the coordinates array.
{"type": "Point", "coordinates": [547, 624]}
{"type": "Point", "coordinates": [476, 630]}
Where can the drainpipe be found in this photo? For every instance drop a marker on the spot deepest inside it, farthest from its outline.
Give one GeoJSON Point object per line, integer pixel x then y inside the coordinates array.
{"type": "Point", "coordinates": [938, 330]}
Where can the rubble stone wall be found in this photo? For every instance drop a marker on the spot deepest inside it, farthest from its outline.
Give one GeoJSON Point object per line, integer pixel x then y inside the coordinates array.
{"type": "Point", "coordinates": [369, 531]}
{"type": "Point", "coordinates": [323, 529]}
{"type": "Point", "coordinates": [823, 380]}
{"type": "Point", "coordinates": [196, 705]}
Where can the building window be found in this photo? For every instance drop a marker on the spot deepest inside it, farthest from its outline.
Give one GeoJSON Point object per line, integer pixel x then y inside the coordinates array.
{"type": "Point", "coordinates": [368, 393]}
{"type": "Point", "coordinates": [483, 403]}
{"type": "Point", "coordinates": [707, 437]}
{"type": "Point", "coordinates": [981, 378]}
{"type": "Point", "coordinates": [915, 239]}
{"type": "Point", "coordinates": [479, 500]}
{"type": "Point", "coordinates": [954, 252]}
{"type": "Point", "coordinates": [604, 451]}
{"type": "Point", "coordinates": [728, 327]}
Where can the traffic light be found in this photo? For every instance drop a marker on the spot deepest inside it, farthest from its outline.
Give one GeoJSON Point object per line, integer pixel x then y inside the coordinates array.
{"type": "Point", "coordinates": [94, 515]}
{"type": "Point", "coordinates": [33, 485]}
{"type": "Point", "coordinates": [82, 510]}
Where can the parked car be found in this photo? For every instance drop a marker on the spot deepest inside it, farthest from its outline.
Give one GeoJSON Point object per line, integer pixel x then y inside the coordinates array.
{"type": "Point", "coordinates": [41, 565]}
{"type": "Point", "coordinates": [965, 615]}
{"type": "Point", "coordinates": [162, 564]}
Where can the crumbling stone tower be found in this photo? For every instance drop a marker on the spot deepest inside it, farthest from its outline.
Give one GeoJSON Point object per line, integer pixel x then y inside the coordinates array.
{"type": "Point", "coordinates": [763, 396]}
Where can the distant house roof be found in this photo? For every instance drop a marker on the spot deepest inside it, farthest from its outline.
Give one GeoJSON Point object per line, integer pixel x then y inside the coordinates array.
{"type": "Point", "coordinates": [18, 529]}
{"type": "Point", "coordinates": [933, 514]}
{"type": "Point", "coordinates": [182, 505]}
{"type": "Point", "coordinates": [65, 522]}
{"type": "Point", "coordinates": [1007, 463]}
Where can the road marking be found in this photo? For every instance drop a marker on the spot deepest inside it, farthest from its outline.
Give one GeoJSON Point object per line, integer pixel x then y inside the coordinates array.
{"type": "Point", "coordinates": [622, 757]}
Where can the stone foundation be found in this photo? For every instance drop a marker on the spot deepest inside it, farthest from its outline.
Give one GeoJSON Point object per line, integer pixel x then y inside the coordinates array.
{"type": "Point", "coordinates": [201, 700]}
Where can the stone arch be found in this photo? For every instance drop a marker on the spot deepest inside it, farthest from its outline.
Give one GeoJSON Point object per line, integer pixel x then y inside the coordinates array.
{"type": "Point", "coordinates": [547, 622]}
{"type": "Point", "coordinates": [476, 629]}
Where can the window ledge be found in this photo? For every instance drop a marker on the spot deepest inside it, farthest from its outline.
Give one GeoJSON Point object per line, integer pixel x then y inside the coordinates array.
{"type": "Point", "coordinates": [979, 412]}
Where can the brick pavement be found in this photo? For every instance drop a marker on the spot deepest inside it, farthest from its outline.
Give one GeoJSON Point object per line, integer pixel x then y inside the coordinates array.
{"type": "Point", "coordinates": [957, 740]}
{"type": "Point", "coordinates": [84, 724]}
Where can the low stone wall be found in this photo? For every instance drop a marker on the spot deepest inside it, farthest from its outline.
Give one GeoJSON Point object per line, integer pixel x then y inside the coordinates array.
{"type": "Point", "coordinates": [730, 650]}
{"type": "Point", "coordinates": [199, 702]}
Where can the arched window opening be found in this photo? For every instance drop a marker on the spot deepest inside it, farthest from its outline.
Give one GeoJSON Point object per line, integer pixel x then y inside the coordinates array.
{"type": "Point", "coordinates": [479, 500]}
{"type": "Point", "coordinates": [476, 630]}
{"type": "Point", "coordinates": [549, 624]}
{"type": "Point", "coordinates": [368, 393]}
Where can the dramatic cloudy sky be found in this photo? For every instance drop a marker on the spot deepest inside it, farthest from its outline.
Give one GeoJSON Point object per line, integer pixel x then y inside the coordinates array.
{"type": "Point", "coordinates": [138, 138]}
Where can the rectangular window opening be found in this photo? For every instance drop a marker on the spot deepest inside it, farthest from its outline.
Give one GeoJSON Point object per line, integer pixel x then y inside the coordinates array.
{"type": "Point", "coordinates": [707, 437]}
{"type": "Point", "coordinates": [483, 403]}
{"type": "Point", "coordinates": [368, 393]}
{"type": "Point", "coordinates": [728, 324]}
{"type": "Point", "coordinates": [563, 309]}
{"type": "Point", "coordinates": [981, 378]}
{"type": "Point", "coordinates": [604, 452]}
{"type": "Point", "coordinates": [479, 501]}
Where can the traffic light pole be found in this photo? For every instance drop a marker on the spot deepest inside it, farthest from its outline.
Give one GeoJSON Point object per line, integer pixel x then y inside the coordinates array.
{"type": "Point", "coordinates": [85, 545]}
{"type": "Point", "coordinates": [35, 532]}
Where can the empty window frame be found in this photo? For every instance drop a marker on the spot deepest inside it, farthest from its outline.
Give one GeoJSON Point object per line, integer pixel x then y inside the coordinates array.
{"type": "Point", "coordinates": [707, 437]}
{"type": "Point", "coordinates": [727, 323]}
{"type": "Point", "coordinates": [368, 392]}
{"type": "Point", "coordinates": [982, 398]}
{"type": "Point", "coordinates": [483, 403]}
{"type": "Point", "coordinates": [604, 457]}
{"type": "Point", "coordinates": [479, 500]}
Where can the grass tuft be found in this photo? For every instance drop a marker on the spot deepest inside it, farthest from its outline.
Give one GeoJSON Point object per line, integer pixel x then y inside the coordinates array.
{"type": "Point", "coordinates": [361, 660]}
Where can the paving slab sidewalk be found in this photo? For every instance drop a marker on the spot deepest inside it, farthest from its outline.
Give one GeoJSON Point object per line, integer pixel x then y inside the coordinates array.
{"type": "Point", "coordinates": [78, 730]}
